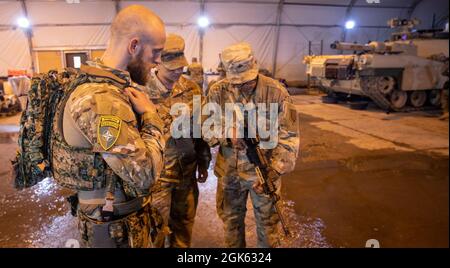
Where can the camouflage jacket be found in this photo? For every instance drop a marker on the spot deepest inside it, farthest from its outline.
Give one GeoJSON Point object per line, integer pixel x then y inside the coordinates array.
{"type": "Point", "coordinates": [196, 73]}
{"type": "Point", "coordinates": [99, 120]}
{"type": "Point", "coordinates": [181, 155]}
{"type": "Point", "coordinates": [232, 162]}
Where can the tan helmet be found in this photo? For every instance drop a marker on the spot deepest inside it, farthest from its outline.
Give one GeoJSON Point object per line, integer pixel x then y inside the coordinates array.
{"type": "Point", "coordinates": [239, 63]}
{"type": "Point", "coordinates": [172, 56]}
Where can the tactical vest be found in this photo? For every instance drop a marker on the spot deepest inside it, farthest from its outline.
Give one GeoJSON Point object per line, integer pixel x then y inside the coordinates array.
{"type": "Point", "coordinates": [50, 155]}
{"type": "Point", "coordinates": [73, 167]}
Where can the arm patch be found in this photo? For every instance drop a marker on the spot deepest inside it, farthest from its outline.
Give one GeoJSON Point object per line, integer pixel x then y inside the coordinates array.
{"type": "Point", "coordinates": [108, 130]}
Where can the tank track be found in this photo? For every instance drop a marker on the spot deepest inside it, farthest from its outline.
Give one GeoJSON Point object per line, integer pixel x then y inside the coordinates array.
{"type": "Point", "coordinates": [369, 87]}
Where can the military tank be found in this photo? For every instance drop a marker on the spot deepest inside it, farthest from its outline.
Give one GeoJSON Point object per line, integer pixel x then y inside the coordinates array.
{"type": "Point", "coordinates": [406, 73]}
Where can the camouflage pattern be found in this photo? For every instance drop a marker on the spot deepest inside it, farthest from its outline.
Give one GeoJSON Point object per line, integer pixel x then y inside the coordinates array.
{"type": "Point", "coordinates": [136, 156]}
{"type": "Point", "coordinates": [236, 174]}
{"type": "Point", "coordinates": [133, 231]}
{"type": "Point", "coordinates": [239, 63]}
{"type": "Point", "coordinates": [221, 76]}
{"type": "Point", "coordinates": [182, 213]}
{"type": "Point", "coordinates": [181, 158]}
{"type": "Point", "coordinates": [283, 157]}
{"type": "Point", "coordinates": [31, 164]}
{"type": "Point", "coordinates": [161, 198]}
{"type": "Point", "coordinates": [173, 54]}
{"type": "Point", "coordinates": [232, 195]}
{"type": "Point", "coordinates": [195, 70]}
{"type": "Point", "coordinates": [133, 161]}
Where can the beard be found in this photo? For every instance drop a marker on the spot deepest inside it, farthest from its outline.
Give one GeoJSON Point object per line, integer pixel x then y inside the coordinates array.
{"type": "Point", "coordinates": [138, 69]}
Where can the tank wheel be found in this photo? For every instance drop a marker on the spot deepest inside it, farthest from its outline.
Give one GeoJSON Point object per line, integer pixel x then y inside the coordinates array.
{"type": "Point", "coordinates": [418, 98]}
{"type": "Point", "coordinates": [435, 97]}
{"type": "Point", "coordinates": [385, 84]}
{"type": "Point", "coordinates": [398, 99]}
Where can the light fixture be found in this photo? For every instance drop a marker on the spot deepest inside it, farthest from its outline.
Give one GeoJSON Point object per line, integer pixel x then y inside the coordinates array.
{"type": "Point", "coordinates": [203, 22]}
{"type": "Point", "coordinates": [350, 24]}
{"type": "Point", "coordinates": [23, 22]}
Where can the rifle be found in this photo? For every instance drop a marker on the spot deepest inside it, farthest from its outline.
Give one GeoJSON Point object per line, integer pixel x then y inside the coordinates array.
{"type": "Point", "coordinates": [266, 176]}
{"type": "Point", "coordinates": [264, 172]}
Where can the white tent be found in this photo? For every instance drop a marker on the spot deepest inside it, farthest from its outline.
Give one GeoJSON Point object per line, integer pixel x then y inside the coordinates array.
{"type": "Point", "coordinates": [279, 31]}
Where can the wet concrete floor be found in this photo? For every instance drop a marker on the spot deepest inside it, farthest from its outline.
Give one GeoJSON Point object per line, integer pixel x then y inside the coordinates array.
{"type": "Point", "coordinates": [361, 175]}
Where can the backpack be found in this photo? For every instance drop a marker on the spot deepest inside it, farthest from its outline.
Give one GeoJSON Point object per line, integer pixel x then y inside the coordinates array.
{"type": "Point", "coordinates": [47, 95]}
{"type": "Point", "coordinates": [31, 164]}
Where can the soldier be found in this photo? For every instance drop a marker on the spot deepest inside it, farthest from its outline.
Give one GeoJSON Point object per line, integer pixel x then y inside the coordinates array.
{"type": "Point", "coordinates": [195, 71]}
{"type": "Point", "coordinates": [236, 176]}
{"type": "Point", "coordinates": [110, 145]}
{"type": "Point", "coordinates": [221, 76]}
{"type": "Point", "coordinates": [176, 194]}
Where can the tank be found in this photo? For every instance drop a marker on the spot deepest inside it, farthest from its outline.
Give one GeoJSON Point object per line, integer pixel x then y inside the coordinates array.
{"type": "Point", "coordinates": [406, 73]}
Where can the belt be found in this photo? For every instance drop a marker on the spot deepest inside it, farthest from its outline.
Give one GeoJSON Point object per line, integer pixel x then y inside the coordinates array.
{"type": "Point", "coordinates": [120, 209]}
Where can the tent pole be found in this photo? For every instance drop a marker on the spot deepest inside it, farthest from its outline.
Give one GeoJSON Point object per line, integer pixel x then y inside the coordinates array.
{"type": "Point", "coordinates": [201, 32]}
{"type": "Point", "coordinates": [29, 35]}
{"type": "Point", "coordinates": [413, 7]}
{"type": "Point", "coordinates": [200, 49]}
{"type": "Point", "coordinates": [277, 37]}
{"type": "Point", "coordinates": [117, 6]}
{"type": "Point", "coordinates": [347, 16]}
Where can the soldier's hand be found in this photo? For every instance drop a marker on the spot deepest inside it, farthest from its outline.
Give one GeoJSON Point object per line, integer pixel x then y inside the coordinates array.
{"type": "Point", "coordinates": [258, 187]}
{"type": "Point", "coordinates": [140, 101]}
{"type": "Point", "coordinates": [273, 176]}
{"type": "Point", "coordinates": [202, 174]}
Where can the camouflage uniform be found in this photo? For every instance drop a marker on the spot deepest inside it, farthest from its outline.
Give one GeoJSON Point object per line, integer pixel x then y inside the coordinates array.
{"type": "Point", "coordinates": [176, 194]}
{"type": "Point", "coordinates": [221, 76]}
{"type": "Point", "coordinates": [236, 175]}
{"type": "Point", "coordinates": [195, 70]}
{"type": "Point", "coordinates": [110, 155]}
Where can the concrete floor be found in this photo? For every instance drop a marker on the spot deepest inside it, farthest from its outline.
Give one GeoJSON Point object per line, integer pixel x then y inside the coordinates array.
{"type": "Point", "coordinates": [361, 175]}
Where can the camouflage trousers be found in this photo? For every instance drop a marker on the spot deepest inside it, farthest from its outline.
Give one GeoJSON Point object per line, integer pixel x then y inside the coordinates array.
{"type": "Point", "coordinates": [232, 195]}
{"type": "Point", "coordinates": [177, 204]}
{"type": "Point", "coordinates": [134, 230]}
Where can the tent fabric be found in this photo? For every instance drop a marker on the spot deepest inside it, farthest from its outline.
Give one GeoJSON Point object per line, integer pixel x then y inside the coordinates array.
{"type": "Point", "coordinates": [58, 25]}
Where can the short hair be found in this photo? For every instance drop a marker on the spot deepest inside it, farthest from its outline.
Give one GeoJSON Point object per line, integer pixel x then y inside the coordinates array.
{"type": "Point", "coordinates": [134, 20]}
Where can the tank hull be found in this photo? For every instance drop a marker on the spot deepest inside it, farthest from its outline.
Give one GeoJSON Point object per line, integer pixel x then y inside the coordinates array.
{"type": "Point", "coordinates": [409, 77]}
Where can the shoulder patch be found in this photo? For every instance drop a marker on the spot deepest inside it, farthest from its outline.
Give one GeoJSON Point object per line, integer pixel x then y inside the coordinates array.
{"type": "Point", "coordinates": [108, 130]}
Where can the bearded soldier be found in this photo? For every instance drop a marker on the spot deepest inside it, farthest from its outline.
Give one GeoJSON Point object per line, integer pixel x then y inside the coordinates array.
{"type": "Point", "coordinates": [176, 193]}
{"type": "Point", "coordinates": [236, 175]}
{"type": "Point", "coordinates": [108, 140]}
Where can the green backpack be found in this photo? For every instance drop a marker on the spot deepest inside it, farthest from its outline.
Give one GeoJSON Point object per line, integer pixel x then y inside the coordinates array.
{"type": "Point", "coordinates": [31, 164]}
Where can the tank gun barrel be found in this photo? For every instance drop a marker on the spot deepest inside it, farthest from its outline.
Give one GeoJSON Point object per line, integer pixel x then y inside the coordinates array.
{"type": "Point", "coordinates": [350, 46]}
